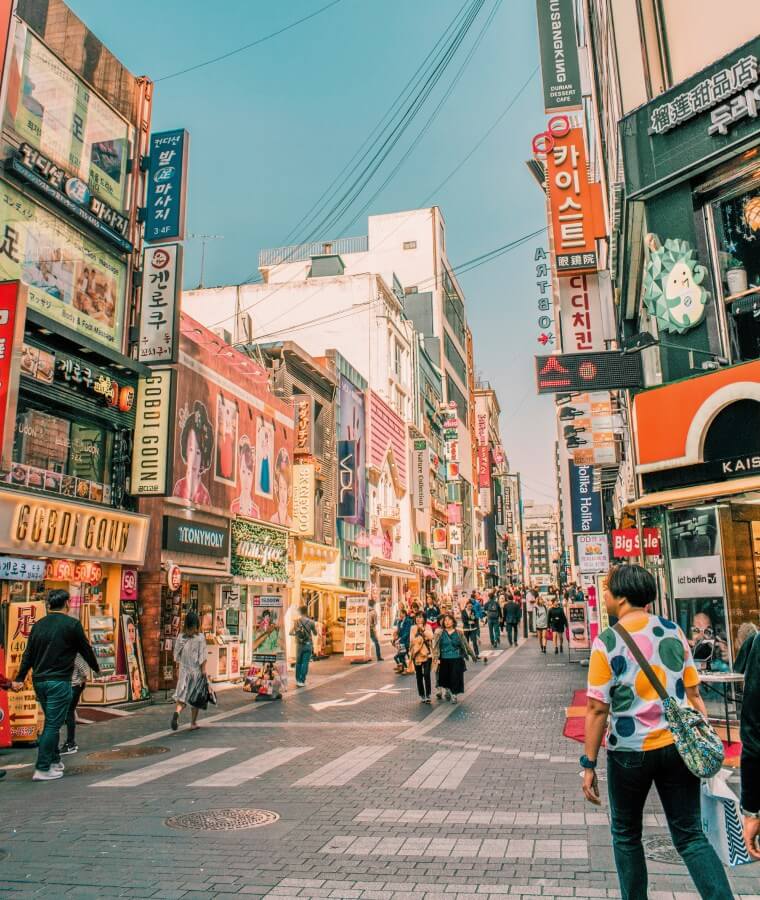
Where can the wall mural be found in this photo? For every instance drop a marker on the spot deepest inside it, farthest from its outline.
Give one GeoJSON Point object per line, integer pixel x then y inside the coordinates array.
{"type": "Point", "coordinates": [673, 290]}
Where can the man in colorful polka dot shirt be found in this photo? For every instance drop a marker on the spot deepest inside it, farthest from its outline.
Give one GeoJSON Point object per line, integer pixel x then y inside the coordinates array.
{"type": "Point", "coordinates": [640, 748]}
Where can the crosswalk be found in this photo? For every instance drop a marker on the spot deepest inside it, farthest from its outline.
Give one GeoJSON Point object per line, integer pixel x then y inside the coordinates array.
{"type": "Point", "coordinates": [443, 769]}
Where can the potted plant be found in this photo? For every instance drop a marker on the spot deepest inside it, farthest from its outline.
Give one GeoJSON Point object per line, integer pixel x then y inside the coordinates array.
{"type": "Point", "coordinates": [736, 275]}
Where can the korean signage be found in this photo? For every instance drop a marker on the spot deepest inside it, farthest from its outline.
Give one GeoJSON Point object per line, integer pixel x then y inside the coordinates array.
{"type": "Point", "coordinates": [151, 451]}
{"type": "Point", "coordinates": [544, 304]}
{"type": "Point", "coordinates": [197, 538]}
{"type": "Point", "coordinates": [421, 475]}
{"type": "Point", "coordinates": [23, 709]}
{"type": "Point", "coordinates": [79, 376]}
{"type": "Point", "coordinates": [559, 55]}
{"type": "Point", "coordinates": [484, 467]}
{"type": "Point", "coordinates": [605, 371]}
{"type": "Point", "coordinates": [12, 312]}
{"type": "Point", "coordinates": [585, 501]}
{"type": "Point", "coordinates": [455, 535]}
{"type": "Point", "coordinates": [233, 439]}
{"type": "Point", "coordinates": [70, 278]}
{"type": "Point", "coordinates": [48, 527]}
{"type": "Point", "coordinates": [15, 569]}
{"type": "Point", "coordinates": [347, 481]}
{"type": "Point", "coordinates": [159, 310]}
{"type": "Point", "coordinates": [593, 552]}
{"type": "Point", "coordinates": [167, 184]}
{"type": "Point", "coordinates": [580, 311]}
{"type": "Point", "coordinates": [259, 553]}
{"type": "Point", "coordinates": [576, 214]}
{"type": "Point", "coordinates": [352, 428]}
{"type": "Point", "coordinates": [304, 486]}
{"type": "Point", "coordinates": [304, 440]}
{"type": "Point", "coordinates": [356, 637]}
{"type": "Point", "coordinates": [626, 543]}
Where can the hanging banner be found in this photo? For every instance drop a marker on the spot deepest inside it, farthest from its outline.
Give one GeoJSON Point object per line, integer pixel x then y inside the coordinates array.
{"type": "Point", "coordinates": [585, 502]}
{"type": "Point", "coordinates": [580, 310]}
{"type": "Point", "coordinates": [560, 70]}
{"type": "Point", "coordinates": [625, 542]}
{"type": "Point", "coordinates": [159, 312]}
{"type": "Point", "coordinates": [167, 186]}
{"type": "Point", "coordinates": [356, 636]}
{"type": "Point", "coordinates": [24, 713]}
{"type": "Point", "coordinates": [347, 479]}
{"type": "Point", "coordinates": [421, 475]}
{"type": "Point", "coordinates": [353, 428]}
{"type": "Point", "coordinates": [304, 487]}
{"type": "Point", "coordinates": [304, 438]}
{"type": "Point", "coordinates": [484, 467]}
{"type": "Point", "coordinates": [151, 451]}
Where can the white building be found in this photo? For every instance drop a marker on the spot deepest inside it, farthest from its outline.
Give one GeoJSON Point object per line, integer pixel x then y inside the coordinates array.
{"type": "Point", "coordinates": [541, 543]}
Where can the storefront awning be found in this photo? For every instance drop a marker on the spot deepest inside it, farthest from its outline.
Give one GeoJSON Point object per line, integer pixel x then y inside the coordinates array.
{"type": "Point", "coordinates": [332, 589]}
{"type": "Point", "coordinates": [698, 493]}
{"type": "Point", "coordinates": [391, 567]}
{"type": "Point", "coordinates": [427, 572]}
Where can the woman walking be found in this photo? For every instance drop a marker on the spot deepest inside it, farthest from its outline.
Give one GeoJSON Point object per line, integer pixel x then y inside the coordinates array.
{"type": "Point", "coordinates": [540, 621]}
{"type": "Point", "coordinates": [190, 653]}
{"type": "Point", "coordinates": [471, 628]}
{"type": "Point", "coordinates": [449, 652]}
{"type": "Point", "coordinates": [78, 682]}
{"type": "Point", "coordinates": [421, 652]}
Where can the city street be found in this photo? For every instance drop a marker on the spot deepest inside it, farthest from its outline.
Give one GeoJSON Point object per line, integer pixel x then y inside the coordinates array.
{"type": "Point", "coordinates": [376, 796]}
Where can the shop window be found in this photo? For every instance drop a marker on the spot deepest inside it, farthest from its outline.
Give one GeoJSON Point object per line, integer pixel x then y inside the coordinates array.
{"type": "Point", "coordinates": [59, 455]}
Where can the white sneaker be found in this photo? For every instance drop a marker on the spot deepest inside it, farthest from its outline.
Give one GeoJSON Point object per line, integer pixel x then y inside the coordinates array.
{"type": "Point", "coordinates": [453, 698]}
{"type": "Point", "coordinates": [57, 766]}
{"type": "Point", "coordinates": [52, 775]}
{"type": "Point", "coordinates": [300, 684]}
{"type": "Point", "coordinates": [439, 694]}
{"type": "Point", "coordinates": [448, 695]}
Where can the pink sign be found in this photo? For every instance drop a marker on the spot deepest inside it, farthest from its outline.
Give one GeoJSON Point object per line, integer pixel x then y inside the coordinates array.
{"type": "Point", "coordinates": [128, 584]}
{"type": "Point", "coordinates": [386, 434]}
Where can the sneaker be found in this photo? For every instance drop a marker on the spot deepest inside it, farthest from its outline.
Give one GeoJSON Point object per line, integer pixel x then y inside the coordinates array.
{"type": "Point", "coordinates": [68, 748]}
{"type": "Point", "coordinates": [453, 698]}
{"type": "Point", "coordinates": [57, 766]}
{"type": "Point", "coordinates": [427, 700]}
{"type": "Point", "coordinates": [300, 684]}
{"type": "Point", "coordinates": [175, 721]}
{"type": "Point", "coordinates": [556, 651]}
{"type": "Point", "coordinates": [448, 695]}
{"type": "Point", "coordinates": [439, 694]}
{"type": "Point", "coordinates": [52, 775]}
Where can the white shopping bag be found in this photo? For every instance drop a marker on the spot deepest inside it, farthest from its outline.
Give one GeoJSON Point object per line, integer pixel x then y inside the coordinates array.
{"type": "Point", "coordinates": [722, 821]}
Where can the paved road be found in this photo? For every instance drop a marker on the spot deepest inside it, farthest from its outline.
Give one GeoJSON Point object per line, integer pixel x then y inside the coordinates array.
{"type": "Point", "coordinates": [377, 797]}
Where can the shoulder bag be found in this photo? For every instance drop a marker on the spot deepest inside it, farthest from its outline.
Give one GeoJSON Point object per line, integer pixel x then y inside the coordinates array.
{"type": "Point", "coordinates": [696, 740]}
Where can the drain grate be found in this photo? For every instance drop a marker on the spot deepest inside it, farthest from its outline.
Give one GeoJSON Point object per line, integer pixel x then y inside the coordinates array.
{"type": "Point", "coordinates": [661, 849]}
{"type": "Point", "coordinates": [84, 769]}
{"type": "Point", "coordinates": [127, 753]}
{"type": "Point", "coordinates": [224, 819]}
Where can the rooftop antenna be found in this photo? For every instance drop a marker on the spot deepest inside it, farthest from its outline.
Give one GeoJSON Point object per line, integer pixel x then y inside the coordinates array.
{"type": "Point", "coordinates": [203, 238]}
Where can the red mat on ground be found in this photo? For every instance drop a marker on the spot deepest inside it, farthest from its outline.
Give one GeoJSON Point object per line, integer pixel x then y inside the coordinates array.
{"type": "Point", "coordinates": [575, 728]}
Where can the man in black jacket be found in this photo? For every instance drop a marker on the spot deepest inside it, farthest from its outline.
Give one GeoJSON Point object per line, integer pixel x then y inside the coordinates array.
{"type": "Point", "coordinates": [493, 614]}
{"type": "Point", "coordinates": [512, 616]}
{"type": "Point", "coordinates": [53, 644]}
{"type": "Point", "coordinates": [748, 662]}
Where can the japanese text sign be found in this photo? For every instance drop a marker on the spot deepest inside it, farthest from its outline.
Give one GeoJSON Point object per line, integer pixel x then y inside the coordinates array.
{"type": "Point", "coordinates": [159, 312]}
{"type": "Point", "coordinates": [167, 183]}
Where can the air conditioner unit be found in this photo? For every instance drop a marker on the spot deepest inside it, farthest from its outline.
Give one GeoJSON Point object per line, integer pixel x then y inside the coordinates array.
{"type": "Point", "coordinates": [224, 334]}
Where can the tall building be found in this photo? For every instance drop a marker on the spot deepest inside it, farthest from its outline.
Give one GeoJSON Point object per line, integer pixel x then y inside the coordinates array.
{"type": "Point", "coordinates": [541, 543]}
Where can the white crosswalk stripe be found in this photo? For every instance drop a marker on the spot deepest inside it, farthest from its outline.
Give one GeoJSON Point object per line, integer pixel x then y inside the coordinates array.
{"type": "Point", "coordinates": [341, 770]}
{"type": "Point", "coordinates": [251, 768]}
{"type": "Point", "coordinates": [456, 848]}
{"type": "Point", "coordinates": [165, 767]}
{"type": "Point", "coordinates": [444, 769]}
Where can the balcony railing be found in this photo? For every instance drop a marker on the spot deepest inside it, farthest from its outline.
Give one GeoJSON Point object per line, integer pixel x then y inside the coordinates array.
{"type": "Point", "coordinates": [389, 513]}
{"type": "Point", "coordinates": [301, 252]}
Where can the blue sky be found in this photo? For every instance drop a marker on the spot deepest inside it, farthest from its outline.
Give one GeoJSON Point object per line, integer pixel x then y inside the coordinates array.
{"type": "Point", "coordinates": [272, 126]}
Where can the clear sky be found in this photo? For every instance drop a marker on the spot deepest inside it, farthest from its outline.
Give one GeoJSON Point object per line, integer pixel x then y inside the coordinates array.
{"type": "Point", "coordinates": [272, 126]}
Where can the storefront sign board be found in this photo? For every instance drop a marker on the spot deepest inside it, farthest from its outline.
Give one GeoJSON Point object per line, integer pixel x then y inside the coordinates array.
{"type": "Point", "coordinates": [24, 712]}
{"type": "Point", "coordinates": [12, 312]}
{"type": "Point", "coordinates": [304, 486]}
{"type": "Point", "coordinates": [304, 413]}
{"type": "Point", "coordinates": [152, 448]}
{"type": "Point", "coordinates": [160, 304]}
{"type": "Point", "coordinates": [19, 569]}
{"type": "Point", "coordinates": [347, 479]}
{"type": "Point", "coordinates": [577, 617]}
{"type": "Point", "coordinates": [593, 553]}
{"type": "Point", "coordinates": [421, 475]}
{"type": "Point", "coordinates": [484, 467]}
{"type": "Point", "coordinates": [196, 538]}
{"type": "Point", "coordinates": [259, 553]}
{"type": "Point", "coordinates": [698, 576]}
{"type": "Point", "coordinates": [585, 501]}
{"type": "Point", "coordinates": [580, 310]}
{"type": "Point", "coordinates": [167, 186]}
{"type": "Point", "coordinates": [356, 636]}
{"type": "Point", "coordinates": [626, 543]}
{"type": "Point", "coordinates": [560, 69]}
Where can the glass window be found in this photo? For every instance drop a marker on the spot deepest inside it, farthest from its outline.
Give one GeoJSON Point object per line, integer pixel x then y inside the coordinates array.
{"type": "Point", "coordinates": [453, 393]}
{"type": "Point", "coordinates": [455, 358]}
{"type": "Point", "coordinates": [410, 245]}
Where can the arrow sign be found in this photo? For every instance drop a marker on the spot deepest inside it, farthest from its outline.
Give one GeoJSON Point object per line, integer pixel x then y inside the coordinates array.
{"type": "Point", "coordinates": [363, 695]}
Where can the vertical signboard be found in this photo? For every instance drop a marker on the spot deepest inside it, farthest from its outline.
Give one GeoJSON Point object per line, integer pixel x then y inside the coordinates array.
{"type": "Point", "coordinates": [593, 553]}
{"type": "Point", "coordinates": [12, 315]}
{"type": "Point", "coordinates": [580, 312]}
{"type": "Point", "coordinates": [421, 475]}
{"type": "Point", "coordinates": [5, 722]}
{"type": "Point", "coordinates": [159, 309]}
{"type": "Point", "coordinates": [347, 484]}
{"type": "Point", "coordinates": [304, 409]}
{"type": "Point", "coordinates": [352, 428]}
{"type": "Point", "coordinates": [484, 466]}
{"type": "Point", "coordinates": [24, 713]}
{"type": "Point", "coordinates": [585, 502]}
{"type": "Point", "coordinates": [304, 486]}
{"type": "Point", "coordinates": [151, 452]}
{"type": "Point", "coordinates": [356, 638]}
{"type": "Point", "coordinates": [559, 55]}
{"type": "Point", "coordinates": [167, 182]}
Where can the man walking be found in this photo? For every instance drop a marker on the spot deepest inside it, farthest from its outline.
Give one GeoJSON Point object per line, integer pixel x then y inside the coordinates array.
{"type": "Point", "coordinates": [512, 616]}
{"type": "Point", "coordinates": [53, 644]}
{"type": "Point", "coordinates": [303, 631]}
{"type": "Point", "coordinates": [493, 613]}
{"type": "Point", "coordinates": [748, 663]}
{"type": "Point", "coordinates": [373, 631]}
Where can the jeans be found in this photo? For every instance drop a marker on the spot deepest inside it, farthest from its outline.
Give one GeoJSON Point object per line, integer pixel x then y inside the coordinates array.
{"type": "Point", "coordinates": [71, 720]}
{"type": "Point", "coordinates": [373, 638]}
{"type": "Point", "coordinates": [493, 631]}
{"type": "Point", "coordinates": [54, 697]}
{"type": "Point", "coordinates": [422, 672]}
{"type": "Point", "coordinates": [512, 632]}
{"type": "Point", "coordinates": [400, 657]}
{"type": "Point", "coordinates": [303, 658]}
{"type": "Point", "coordinates": [472, 637]}
{"type": "Point", "coordinates": [630, 775]}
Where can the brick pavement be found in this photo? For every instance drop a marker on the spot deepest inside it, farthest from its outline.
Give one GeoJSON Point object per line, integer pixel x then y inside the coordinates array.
{"type": "Point", "coordinates": [504, 816]}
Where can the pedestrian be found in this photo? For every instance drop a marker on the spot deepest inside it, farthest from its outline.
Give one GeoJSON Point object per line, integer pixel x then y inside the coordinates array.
{"type": "Point", "coordinates": [471, 628]}
{"type": "Point", "coordinates": [432, 612]}
{"type": "Point", "coordinates": [5, 685]}
{"type": "Point", "coordinates": [421, 653]}
{"type": "Point", "coordinates": [477, 605]}
{"type": "Point", "coordinates": [503, 600]}
{"type": "Point", "coordinates": [557, 621]}
{"type": "Point", "coordinates": [530, 606]}
{"type": "Point", "coordinates": [402, 628]}
{"type": "Point", "coordinates": [78, 682]}
{"type": "Point", "coordinates": [748, 663]}
{"type": "Point", "coordinates": [53, 644]}
{"type": "Point", "coordinates": [303, 631]}
{"type": "Point", "coordinates": [512, 616]}
{"type": "Point", "coordinates": [450, 649]}
{"type": "Point", "coordinates": [640, 747]}
{"type": "Point", "coordinates": [493, 614]}
{"type": "Point", "coordinates": [190, 653]}
{"type": "Point", "coordinates": [373, 631]}
{"type": "Point", "coordinates": [540, 621]}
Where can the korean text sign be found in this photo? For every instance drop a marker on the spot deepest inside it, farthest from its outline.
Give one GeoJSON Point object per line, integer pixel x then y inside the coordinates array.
{"type": "Point", "coordinates": [159, 312]}
{"type": "Point", "coordinates": [167, 186]}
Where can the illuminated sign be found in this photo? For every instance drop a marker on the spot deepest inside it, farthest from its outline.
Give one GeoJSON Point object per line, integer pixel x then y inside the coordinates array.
{"type": "Point", "coordinates": [605, 371]}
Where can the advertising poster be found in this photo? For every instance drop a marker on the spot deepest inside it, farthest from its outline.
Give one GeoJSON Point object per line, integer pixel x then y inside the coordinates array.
{"type": "Point", "coordinates": [593, 552]}
{"type": "Point", "coordinates": [267, 675]}
{"type": "Point", "coordinates": [258, 552]}
{"type": "Point", "coordinates": [132, 650]}
{"type": "Point", "coordinates": [233, 445]}
{"type": "Point", "coordinates": [601, 590]}
{"type": "Point", "coordinates": [353, 428]}
{"type": "Point", "coordinates": [25, 715]}
{"type": "Point", "coordinates": [5, 722]}
{"type": "Point", "coordinates": [577, 618]}
{"type": "Point", "coordinates": [70, 278]}
{"type": "Point", "coordinates": [356, 640]}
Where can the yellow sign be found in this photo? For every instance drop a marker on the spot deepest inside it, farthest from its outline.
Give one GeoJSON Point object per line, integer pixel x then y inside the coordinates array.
{"type": "Point", "coordinates": [304, 487]}
{"type": "Point", "coordinates": [23, 711]}
{"type": "Point", "coordinates": [57, 528]}
{"type": "Point", "coordinates": [601, 590]}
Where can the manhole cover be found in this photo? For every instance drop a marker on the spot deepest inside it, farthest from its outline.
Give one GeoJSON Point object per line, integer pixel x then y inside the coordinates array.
{"type": "Point", "coordinates": [84, 769]}
{"type": "Point", "coordinates": [224, 819]}
{"type": "Point", "coordinates": [127, 753]}
{"type": "Point", "coordinates": [661, 849]}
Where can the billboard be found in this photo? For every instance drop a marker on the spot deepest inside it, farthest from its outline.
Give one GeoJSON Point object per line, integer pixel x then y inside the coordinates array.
{"type": "Point", "coordinates": [353, 428]}
{"type": "Point", "coordinates": [605, 371]}
{"type": "Point", "coordinates": [585, 501]}
{"type": "Point", "coordinates": [233, 445]}
{"type": "Point", "coordinates": [580, 313]}
{"type": "Point", "coordinates": [560, 71]}
{"type": "Point", "coordinates": [71, 279]}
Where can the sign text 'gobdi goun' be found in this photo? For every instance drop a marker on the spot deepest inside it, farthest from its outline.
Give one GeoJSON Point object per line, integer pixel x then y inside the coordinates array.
{"type": "Point", "coordinates": [46, 527]}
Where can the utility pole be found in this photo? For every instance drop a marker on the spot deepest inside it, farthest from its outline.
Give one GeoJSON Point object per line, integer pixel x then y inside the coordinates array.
{"type": "Point", "coordinates": [203, 238]}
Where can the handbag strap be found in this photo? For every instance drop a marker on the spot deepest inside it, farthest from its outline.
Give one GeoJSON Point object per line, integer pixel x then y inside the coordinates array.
{"type": "Point", "coordinates": [641, 660]}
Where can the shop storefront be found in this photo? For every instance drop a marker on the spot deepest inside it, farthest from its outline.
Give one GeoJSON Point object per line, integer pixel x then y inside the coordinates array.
{"type": "Point", "coordinates": [392, 583]}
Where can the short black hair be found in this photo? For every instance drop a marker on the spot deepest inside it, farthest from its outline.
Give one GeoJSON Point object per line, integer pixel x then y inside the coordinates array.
{"type": "Point", "coordinates": [634, 583]}
{"type": "Point", "coordinates": [57, 599]}
{"type": "Point", "coordinates": [192, 622]}
{"type": "Point", "coordinates": [303, 610]}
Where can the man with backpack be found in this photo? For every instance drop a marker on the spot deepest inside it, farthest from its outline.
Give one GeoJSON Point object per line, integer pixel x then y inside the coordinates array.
{"type": "Point", "coordinates": [493, 614]}
{"type": "Point", "coordinates": [303, 631]}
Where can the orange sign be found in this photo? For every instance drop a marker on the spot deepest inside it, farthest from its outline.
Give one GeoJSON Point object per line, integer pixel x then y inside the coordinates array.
{"type": "Point", "coordinates": [577, 217]}
{"type": "Point", "coordinates": [71, 570]}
